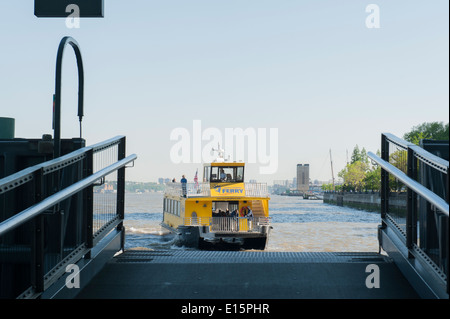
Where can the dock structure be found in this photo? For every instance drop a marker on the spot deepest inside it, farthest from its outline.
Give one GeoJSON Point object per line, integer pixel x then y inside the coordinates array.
{"type": "Point", "coordinates": [62, 237]}
{"type": "Point", "coordinates": [69, 243]}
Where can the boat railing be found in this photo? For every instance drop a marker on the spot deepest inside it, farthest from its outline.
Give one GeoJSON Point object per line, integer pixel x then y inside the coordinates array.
{"type": "Point", "coordinates": [256, 190]}
{"type": "Point", "coordinates": [187, 189]}
{"type": "Point", "coordinates": [229, 224]}
{"type": "Point", "coordinates": [203, 189]}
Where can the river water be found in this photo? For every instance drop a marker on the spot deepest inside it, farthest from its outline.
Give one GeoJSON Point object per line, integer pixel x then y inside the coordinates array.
{"type": "Point", "coordinates": [299, 225]}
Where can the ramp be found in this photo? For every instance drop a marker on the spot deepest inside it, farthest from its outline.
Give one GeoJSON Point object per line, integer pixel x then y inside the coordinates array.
{"type": "Point", "coordinates": [245, 275]}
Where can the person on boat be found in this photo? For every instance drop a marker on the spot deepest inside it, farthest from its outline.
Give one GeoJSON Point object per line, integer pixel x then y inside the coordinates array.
{"type": "Point", "coordinates": [174, 180]}
{"type": "Point", "coordinates": [223, 176]}
{"type": "Point", "coordinates": [249, 216]}
{"type": "Point", "coordinates": [235, 221]}
{"type": "Point", "coordinates": [183, 185]}
{"type": "Point", "coordinates": [249, 212]}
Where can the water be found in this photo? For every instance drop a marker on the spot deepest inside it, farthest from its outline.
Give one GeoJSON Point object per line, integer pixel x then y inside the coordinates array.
{"type": "Point", "coordinates": [298, 225]}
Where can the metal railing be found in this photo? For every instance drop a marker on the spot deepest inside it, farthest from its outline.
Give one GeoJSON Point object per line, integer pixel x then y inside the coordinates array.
{"type": "Point", "coordinates": [423, 224]}
{"type": "Point", "coordinates": [188, 189]}
{"type": "Point", "coordinates": [51, 216]}
{"type": "Point", "coordinates": [203, 189]}
{"type": "Point", "coordinates": [229, 224]}
{"type": "Point", "coordinates": [256, 190]}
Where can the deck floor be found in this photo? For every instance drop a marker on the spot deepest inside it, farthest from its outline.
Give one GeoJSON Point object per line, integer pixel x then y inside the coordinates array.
{"type": "Point", "coordinates": [143, 274]}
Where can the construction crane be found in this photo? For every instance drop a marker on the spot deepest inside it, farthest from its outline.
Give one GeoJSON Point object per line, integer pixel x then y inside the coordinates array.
{"type": "Point", "coordinates": [332, 173]}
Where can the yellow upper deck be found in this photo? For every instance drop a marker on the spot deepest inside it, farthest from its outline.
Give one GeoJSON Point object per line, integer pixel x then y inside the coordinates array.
{"type": "Point", "coordinates": [233, 164]}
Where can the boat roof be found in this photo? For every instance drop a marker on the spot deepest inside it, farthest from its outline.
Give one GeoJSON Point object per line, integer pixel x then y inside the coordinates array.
{"type": "Point", "coordinates": [228, 164]}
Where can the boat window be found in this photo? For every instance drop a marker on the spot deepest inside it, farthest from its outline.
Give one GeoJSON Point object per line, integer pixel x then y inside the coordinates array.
{"type": "Point", "coordinates": [224, 208]}
{"type": "Point", "coordinates": [227, 174]}
{"type": "Point", "coordinates": [240, 174]}
{"type": "Point", "coordinates": [206, 173]}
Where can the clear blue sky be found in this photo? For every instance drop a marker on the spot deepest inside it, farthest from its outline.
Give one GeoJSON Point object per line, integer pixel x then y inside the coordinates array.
{"type": "Point", "coordinates": [312, 69]}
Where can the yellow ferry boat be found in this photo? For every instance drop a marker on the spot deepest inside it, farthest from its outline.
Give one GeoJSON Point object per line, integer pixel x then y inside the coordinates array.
{"type": "Point", "coordinates": [221, 209]}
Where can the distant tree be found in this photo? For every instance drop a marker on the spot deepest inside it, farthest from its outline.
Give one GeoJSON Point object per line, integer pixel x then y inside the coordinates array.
{"type": "Point", "coordinates": [356, 155]}
{"type": "Point", "coordinates": [372, 180]}
{"type": "Point", "coordinates": [428, 130]}
{"type": "Point", "coordinates": [327, 187]}
{"type": "Point", "coordinates": [354, 174]}
{"type": "Point", "coordinates": [359, 155]}
{"type": "Point", "coordinates": [364, 157]}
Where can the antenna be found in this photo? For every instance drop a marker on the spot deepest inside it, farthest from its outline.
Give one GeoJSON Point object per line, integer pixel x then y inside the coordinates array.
{"type": "Point", "coordinates": [220, 153]}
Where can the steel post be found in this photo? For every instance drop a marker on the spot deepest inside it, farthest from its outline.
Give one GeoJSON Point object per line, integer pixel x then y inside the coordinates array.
{"type": "Point", "coordinates": [384, 178]}
{"type": "Point", "coordinates": [121, 182]}
{"type": "Point", "coordinates": [37, 242]}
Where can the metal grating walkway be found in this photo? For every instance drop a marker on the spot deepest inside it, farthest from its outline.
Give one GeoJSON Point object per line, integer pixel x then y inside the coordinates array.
{"type": "Point", "coordinates": [245, 275]}
{"type": "Point", "coordinates": [233, 257]}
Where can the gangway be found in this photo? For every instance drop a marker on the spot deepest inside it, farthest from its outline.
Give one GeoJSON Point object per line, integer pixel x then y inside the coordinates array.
{"type": "Point", "coordinates": [62, 236]}
{"type": "Point", "coordinates": [106, 270]}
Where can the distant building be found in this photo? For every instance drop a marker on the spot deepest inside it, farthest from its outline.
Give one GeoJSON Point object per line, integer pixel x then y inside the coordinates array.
{"type": "Point", "coordinates": [283, 182]}
{"type": "Point", "coordinates": [302, 177]}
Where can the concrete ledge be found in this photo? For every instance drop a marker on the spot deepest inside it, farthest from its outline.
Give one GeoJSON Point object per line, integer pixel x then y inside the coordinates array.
{"type": "Point", "coordinates": [365, 201]}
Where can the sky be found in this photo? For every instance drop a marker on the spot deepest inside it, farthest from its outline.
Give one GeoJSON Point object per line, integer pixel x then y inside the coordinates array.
{"type": "Point", "coordinates": [311, 70]}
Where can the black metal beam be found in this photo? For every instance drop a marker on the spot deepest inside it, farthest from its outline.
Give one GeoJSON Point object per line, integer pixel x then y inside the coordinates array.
{"type": "Point", "coordinates": [384, 178]}
{"type": "Point", "coordinates": [37, 250]}
{"type": "Point", "coordinates": [121, 182]}
{"type": "Point", "coordinates": [58, 8]}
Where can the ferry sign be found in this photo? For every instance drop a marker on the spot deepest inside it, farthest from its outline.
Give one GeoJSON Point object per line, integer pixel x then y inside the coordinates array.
{"type": "Point", "coordinates": [225, 189]}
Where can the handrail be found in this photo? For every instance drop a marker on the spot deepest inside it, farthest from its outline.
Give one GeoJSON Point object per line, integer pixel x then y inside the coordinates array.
{"type": "Point", "coordinates": [50, 201]}
{"type": "Point", "coordinates": [204, 189]}
{"type": "Point", "coordinates": [412, 184]}
{"type": "Point", "coordinates": [228, 223]}
{"type": "Point", "coordinates": [397, 140]}
{"type": "Point", "coordinates": [12, 181]}
{"type": "Point", "coordinates": [437, 161]}
{"type": "Point", "coordinates": [16, 179]}
{"type": "Point", "coordinates": [105, 144]}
